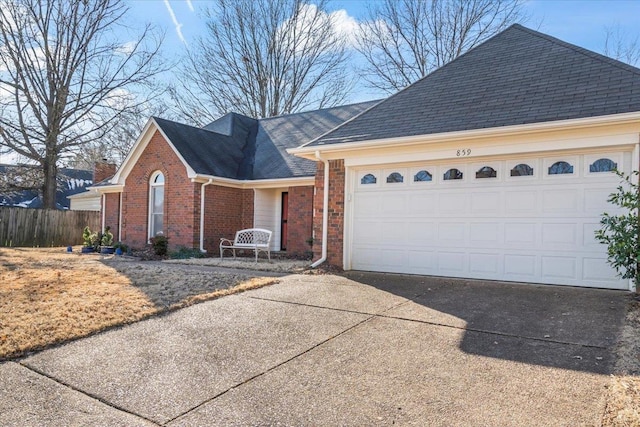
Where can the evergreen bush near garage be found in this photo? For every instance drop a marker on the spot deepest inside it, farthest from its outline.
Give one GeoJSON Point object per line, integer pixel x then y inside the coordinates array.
{"type": "Point", "coordinates": [621, 232]}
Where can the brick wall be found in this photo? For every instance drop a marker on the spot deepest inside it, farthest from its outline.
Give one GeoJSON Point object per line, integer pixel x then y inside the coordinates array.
{"type": "Point", "coordinates": [182, 198]}
{"type": "Point", "coordinates": [227, 210]}
{"type": "Point", "coordinates": [300, 221]}
{"type": "Point", "coordinates": [112, 213]}
{"type": "Point", "coordinates": [335, 235]}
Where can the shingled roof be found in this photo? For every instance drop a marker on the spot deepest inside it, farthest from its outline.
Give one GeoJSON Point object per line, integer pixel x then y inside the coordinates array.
{"type": "Point", "coordinates": [239, 147]}
{"type": "Point", "coordinates": [519, 76]}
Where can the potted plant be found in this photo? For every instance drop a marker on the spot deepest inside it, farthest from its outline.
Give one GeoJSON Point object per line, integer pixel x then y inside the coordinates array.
{"type": "Point", "coordinates": [88, 239]}
{"type": "Point", "coordinates": [106, 242]}
{"type": "Point", "coordinates": [121, 248]}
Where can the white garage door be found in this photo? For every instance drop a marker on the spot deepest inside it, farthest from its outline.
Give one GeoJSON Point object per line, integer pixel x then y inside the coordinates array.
{"type": "Point", "coordinates": [527, 219]}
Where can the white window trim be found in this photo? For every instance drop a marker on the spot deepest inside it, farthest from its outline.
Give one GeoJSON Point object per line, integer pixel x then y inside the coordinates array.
{"type": "Point", "coordinates": [151, 202]}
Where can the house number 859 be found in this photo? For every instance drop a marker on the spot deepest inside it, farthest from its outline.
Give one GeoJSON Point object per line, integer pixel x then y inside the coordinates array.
{"type": "Point", "coordinates": [464, 152]}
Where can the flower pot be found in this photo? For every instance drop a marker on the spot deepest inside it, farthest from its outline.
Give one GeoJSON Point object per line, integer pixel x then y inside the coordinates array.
{"type": "Point", "coordinates": [107, 250]}
{"type": "Point", "coordinates": [87, 249]}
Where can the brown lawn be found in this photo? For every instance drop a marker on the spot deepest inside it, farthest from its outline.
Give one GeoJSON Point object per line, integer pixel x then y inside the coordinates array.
{"type": "Point", "coordinates": [48, 296]}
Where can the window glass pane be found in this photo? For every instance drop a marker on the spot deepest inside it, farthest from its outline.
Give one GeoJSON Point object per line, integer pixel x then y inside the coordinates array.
{"type": "Point", "coordinates": [422, 176]}
{"type": "Point", "coordinates": [158, 199]}
{"type": "Point", "coordinates": [603, 165]}
{"type": "Point", "coordinates": [368, 179]}
{"type": "Point", "coordinates": [159, 179]}
{"type": "Point", "coordinates": [395, 177]}
{"type": "Point", "coordinates": [522, 170]}
{"type": "Point", "coordinates": [157, 224]}
{"type": "Point", "coordinates": [486, 172]}
{"type": "Point", "coordinates": [559, 168]}
{"type": "Point", "coordinates": [452, 174]}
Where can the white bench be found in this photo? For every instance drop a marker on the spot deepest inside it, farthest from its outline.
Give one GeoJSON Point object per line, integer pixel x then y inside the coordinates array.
{"type": "Point", "coordinates": [254, 239]}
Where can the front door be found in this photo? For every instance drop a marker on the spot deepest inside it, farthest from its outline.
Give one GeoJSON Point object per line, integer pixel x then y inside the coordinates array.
{"type": "Point", "coordinates": [283, 225]}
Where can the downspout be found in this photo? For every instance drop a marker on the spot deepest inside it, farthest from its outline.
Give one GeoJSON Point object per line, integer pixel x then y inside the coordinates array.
{"type": "Point", "coordinates": [202, 191]}
{"type": "Point", "coordinates": [325, 211]}
{"type": "Point", "coordinates": [104, 208]}
{"type": "Point", "coordinates": [120, 218]}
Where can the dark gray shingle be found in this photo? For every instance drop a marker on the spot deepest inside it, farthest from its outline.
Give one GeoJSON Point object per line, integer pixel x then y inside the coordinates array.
{"type": "Point", "coordinates": [519, 76]}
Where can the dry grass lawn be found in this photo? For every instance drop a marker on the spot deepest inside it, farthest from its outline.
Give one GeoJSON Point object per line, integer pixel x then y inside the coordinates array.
{"type": "Point", "coordinates": [48, 296]}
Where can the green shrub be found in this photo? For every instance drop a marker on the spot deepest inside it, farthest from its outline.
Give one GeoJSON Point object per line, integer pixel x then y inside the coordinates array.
{"type": "Point", "coordinates": [186, 253]}
{"type": "Point", "coordinates": [160, 244]}
{"type": "Point", "coordinates": [621, 232]}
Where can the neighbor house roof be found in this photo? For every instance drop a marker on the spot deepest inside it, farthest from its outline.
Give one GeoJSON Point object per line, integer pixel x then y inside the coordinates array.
{"type": "Point", "coordinates": [239, 147]}
{"type": "Point", "coordinates": [519, 76]}
{"type": "Point", "coordinates": [70, 182]}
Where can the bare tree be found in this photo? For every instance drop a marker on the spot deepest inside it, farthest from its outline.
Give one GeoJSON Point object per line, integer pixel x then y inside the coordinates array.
{"type": "Point", "coordinates": [66, 77]}
{"type": "Point", "coordinates": [621, 46]}
{"type": "Point", "coordinates": [404, 40]}
{"type": "Point", "coordinates": [116, 144]}
{"type": "Point", "coordinates": [263, 58]}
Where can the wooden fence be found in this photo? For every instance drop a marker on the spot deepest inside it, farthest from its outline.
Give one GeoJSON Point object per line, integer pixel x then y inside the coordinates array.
{"type": "Point", "coordinates": [42, 227]}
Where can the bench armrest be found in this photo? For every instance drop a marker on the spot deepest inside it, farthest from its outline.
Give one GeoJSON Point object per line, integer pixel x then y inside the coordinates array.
{"type": "Point", "coordinates": [223, 240]}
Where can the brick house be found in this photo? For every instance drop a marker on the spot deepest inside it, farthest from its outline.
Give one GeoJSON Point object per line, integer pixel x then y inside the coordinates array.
{"type": "Point", "coordinates": [196, 185]}
{"type": "Point", "coordinates": [495, 166]}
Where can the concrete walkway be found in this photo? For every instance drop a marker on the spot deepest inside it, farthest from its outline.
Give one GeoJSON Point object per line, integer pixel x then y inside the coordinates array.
{"type": "Point", "coordinates": [366, 349]}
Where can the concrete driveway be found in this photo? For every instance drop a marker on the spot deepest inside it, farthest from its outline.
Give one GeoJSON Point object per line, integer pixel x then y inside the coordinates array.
{"type": "Point", "coordinates": [365, 349]}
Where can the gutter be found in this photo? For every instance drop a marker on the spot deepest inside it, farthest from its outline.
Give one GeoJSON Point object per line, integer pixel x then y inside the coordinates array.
{"type": "Point", "coordinates": [202, 192]}
{"type": "Point", "coordinates": [325, 210]}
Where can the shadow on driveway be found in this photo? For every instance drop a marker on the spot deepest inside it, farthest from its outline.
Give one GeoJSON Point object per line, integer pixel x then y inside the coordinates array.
{"type": "Point", "coordinates": [557, 326]}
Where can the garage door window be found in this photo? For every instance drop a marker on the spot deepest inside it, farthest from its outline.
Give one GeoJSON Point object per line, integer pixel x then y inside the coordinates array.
{"type": "Point", "coordinates": [603, 165]}
{"type": "Point", "coordinates": [395, 177]}
{"type": "Point", "coordinates": [368, 179]}
{"type": "Point", "coordinates": [486, 172]}
{"type": "Point", "coordinates": [422, 176]}
{"type": "Point", "coordinates": [522, 170]}
{"type": "Point", "coordinates": [452, 174]}
{"type": "Point", "coordinates": [560, 168]}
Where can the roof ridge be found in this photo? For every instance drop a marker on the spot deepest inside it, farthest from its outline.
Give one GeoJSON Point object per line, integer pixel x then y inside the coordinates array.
{"type": "Point", "coordinates": [581, 50]}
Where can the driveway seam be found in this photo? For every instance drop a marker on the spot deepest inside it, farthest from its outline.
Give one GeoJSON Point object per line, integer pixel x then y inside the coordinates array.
{"type": "Point", "coordinates": [426, 322]}
{"type": "Point", "coordinates": [274, 367]}
{"type": "Point", "coordinates": [88, 394]}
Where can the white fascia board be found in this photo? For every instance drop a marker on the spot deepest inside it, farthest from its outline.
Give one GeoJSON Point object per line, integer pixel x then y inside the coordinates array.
{"type": "Point", "coordinates": [139, 147]}
{"type": "Point", "coordinates": [90, 194]}
{"type": "Point", "coordinates": [257, 183]}
{"type": "Point", "coordinates": [103, 189]}
{"type": "Point", "coordinates": [615, 119]}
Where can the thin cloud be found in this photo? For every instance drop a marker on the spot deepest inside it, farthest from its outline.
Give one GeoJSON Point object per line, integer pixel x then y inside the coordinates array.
{"type": "Point", "coordinates": [190, 6]}
{"type": "Point", "coordinates": [175, 21]}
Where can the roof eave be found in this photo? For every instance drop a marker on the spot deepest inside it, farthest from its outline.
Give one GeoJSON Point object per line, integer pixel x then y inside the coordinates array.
{"type": "Point", "coordinates": [255, 183]}
{"type": "Point", "coordinates": [309, 152]}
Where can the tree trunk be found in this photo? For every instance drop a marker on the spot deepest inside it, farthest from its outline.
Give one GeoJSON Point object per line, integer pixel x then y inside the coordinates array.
{"type": "Point", "coordinates": [50, 185]}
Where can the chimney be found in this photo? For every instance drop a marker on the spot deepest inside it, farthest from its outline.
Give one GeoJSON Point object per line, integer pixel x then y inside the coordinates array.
{"type": "Point", "coordinates": [103, 170]}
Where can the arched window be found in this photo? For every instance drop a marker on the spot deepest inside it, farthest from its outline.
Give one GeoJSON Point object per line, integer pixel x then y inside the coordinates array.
{"type": "Point", "coordinates": [486, 172]}
{"type": "Point", "coordinates": [368, 179]}
{"type": "Point", "coordinates": [522, 170]}
{"type": "Point", "coordinates": [421, 176]}
{"type": "Point", "coordinates": [395, 177]}
{"type": "Point", "coordinates": [156, 204]}
{"type": "Point", "coordinates": [452, 174]}
{"type": "Point", "coordinates": [603, 165]}
{"type": "Point", "coordinates": [559, 168]}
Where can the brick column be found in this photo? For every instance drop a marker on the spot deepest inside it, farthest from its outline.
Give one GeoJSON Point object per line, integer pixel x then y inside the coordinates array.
{"type": "Point", "coordinates": [335, 233]}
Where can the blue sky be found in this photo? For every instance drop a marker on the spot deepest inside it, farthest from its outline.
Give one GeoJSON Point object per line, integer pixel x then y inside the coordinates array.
{"type": "Point", "coordinates": [580, 22]}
